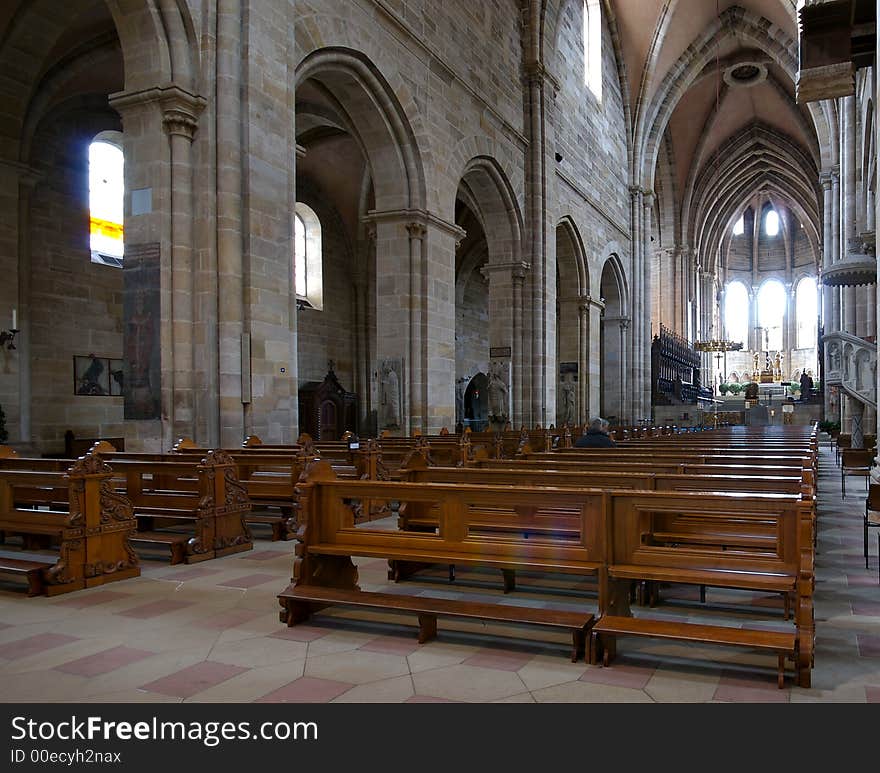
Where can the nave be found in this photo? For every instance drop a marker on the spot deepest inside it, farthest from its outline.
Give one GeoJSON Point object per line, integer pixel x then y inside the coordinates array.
{"type": "Point", "coordinates": [210, 633]}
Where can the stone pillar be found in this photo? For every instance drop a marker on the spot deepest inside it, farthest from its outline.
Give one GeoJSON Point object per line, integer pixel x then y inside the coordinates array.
{"type": "Point", "coordinates": [506, 328]}
{"type": "Point", "coordinates": [27, 180]}
{"type": "Point", "coordinates": [159, 125]}
{"type": "Point", "coordinates": [645, 314]}
{"type": "Point", "coordinates": [589, 310]}
{"type": "Point", "coordinates": [632, 400]}
{"type": "Point", "coordinates": [829, 322]}
{"type": "Point", "coordinates": [541, 90]}
{"type": "Point", "coordinates": [835, 244]}
{"type": "Point", "coordinates": [179, 117]}
{"type": "Point", "coordinates": [415, 312]}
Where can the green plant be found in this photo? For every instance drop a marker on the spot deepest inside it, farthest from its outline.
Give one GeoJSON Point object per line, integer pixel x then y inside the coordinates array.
{"type": "Point", "coordinates": [724, 388]}
{"type": "Point", "coordinates": [735, 389]}
{"type": "Point", "coordinates": [4, 435]}
{"type": "Point", "coordinates": [829, 426]}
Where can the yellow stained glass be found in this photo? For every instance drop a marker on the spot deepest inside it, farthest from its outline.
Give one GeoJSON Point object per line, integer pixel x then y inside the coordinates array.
{"type": "Point", "coordinates": [100, 227]}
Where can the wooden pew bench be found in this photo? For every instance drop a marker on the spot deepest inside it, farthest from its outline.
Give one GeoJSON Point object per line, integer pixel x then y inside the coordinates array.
{"type": "Point", "coordinates": [638, 552]}
{"type": "Point", "coordinates": [328, 538]}
{"type": "Point", "coordinates": [301, 601]}
{"type": "Point", "coordinates": [194, 508]}
{"type": "Point", "coordinates": [85, 540]}
{"type": "Point", "coordinates": [782, 644]}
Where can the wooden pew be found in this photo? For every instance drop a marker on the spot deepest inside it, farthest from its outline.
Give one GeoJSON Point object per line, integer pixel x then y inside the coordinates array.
{"type": "Point", "coordinates": [327, 538]}
{"type": "Point", "coordinates": [615, 542]}
{"type": "Point", "coordinates": [90, 528]}
{"type": "Point", "coordinates": [635, 553]}
{"type": "Point", "coordinates": [193, 507]}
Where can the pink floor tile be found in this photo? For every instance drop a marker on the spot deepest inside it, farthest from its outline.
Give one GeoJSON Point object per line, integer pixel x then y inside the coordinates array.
{"type": "Point", "coordinates": [866, 609]}
{"type": "Point", "coordinates": [620, 674]}
{"type": "Point", "coordinates": [427, 699]}
{"type": "Point", "coordinates": [869, 646]}
{"type": "Point", "coordinates": [193, 573]}
{"type": "Point", "coordinates": [93, 599]}
{"type": "Point", "coordinates": [102, 662]}
{"type": "Point", "coordinates": [391, 645]}
{"type": "Point", "coordinates": [502, 660]}
{"type": "Point", "coordinates": [743, 688]}
{"type": "Point", "coordinates": [249, 581]}
{"type": "Point", "coordinates": [266, 555]}
{"type": "Point", "coordinates": [306, 689]}
{"type": "Point", "coordinates": [195, 679]}
{"type": "Point", "coordinates": [300, 633]}
{"type": "Point", "coordinates": [31, 645]}
{"type": "Point", "coordinates": [228, 619]}
{"type": "Point", "coordinates": [154, 609]}
{"type": "Point", "coordinates": [872, 694]}
{"type": "Point", "coordinates": [862, 580]}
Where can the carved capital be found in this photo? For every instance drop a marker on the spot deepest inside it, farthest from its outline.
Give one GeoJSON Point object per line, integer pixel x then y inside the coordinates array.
{"type": "Point", "coordinates": [418, 231]}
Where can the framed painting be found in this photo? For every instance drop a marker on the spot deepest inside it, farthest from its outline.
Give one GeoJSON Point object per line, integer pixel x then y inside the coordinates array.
{"type": "Point", "coordinates": [117, 377]}
{"type": "Point", "coordinates": [91, 375]}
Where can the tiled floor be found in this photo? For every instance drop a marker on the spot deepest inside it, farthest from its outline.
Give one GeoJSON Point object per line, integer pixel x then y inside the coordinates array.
{"type": "Point", "coordinates": [211, 633]}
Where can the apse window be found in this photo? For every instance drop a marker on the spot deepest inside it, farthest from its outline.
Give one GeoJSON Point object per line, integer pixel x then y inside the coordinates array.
{"type": "Point", "coordinates": [771, 313]}
{"type": "Point", "coordinates": [807, 307]}
{"type": "Point", "coordinates": [106, 196]}
{"type": "Point", "coordinates": [736, 313]}
{"type": "Point", "coordinates": [593, 47]}
{"type": "Point", "coordinates": [771, 223]}
{"type": "Point", "coordinates": [307, 258]}
{"type": "Point", "coordinates": [739, 227]}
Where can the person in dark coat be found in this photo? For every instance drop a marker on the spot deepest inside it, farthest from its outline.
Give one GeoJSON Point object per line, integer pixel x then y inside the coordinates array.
{"type": "Point", "coordinates": [596, 435]}
{"type": "Point", "coordinates": [806, 386]}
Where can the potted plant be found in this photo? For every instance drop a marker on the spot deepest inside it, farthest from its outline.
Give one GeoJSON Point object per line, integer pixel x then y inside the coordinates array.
{"type": "Point", "coordinates": [735, 389]}
{"type": "Point", "coordinates": [724, 388]}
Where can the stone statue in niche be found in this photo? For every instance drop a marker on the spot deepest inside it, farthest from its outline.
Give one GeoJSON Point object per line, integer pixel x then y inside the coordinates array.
{"type": "Point", "coordinates": [568, 400]}
{"type": "Point", "coordinates": [498, 393]}
{"type": "Point", "coordinates": [389, 394]}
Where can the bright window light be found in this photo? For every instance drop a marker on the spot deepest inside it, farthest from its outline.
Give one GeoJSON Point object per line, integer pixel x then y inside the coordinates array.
{"type": "Point", "coordinates": [739, 227]}
{"type": "Point", "coordinates": [771, 223]}
{"type": "Point", "coordinates": [593, 46]}
{"type": "Point", "coordinates": [106, 194]}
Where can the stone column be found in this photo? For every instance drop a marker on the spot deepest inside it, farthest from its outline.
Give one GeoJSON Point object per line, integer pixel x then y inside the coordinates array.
{"type": "Point", "coordinates": [159, 125]}
{"type": "Point", "coordinates": [835, 243]}
{"type": "Point", "coordinates": [415, 312]}
{"type": "Point", "coordinates": [27, 179]}
{"type": "Point", "coordinates": [626, 384]}
{"type": "Point", "coordinates": [506, 308]}
{"type": "Point", "coordinates": [829, 322]}
{"type": "Point", "coordinates": [589, 310]}
{"type": "Point", "coordinates": [645, 308]}
{"type": "Point", "coordinates": [179, 117]}
{"type": "Point", "coordinates": [633, 399]}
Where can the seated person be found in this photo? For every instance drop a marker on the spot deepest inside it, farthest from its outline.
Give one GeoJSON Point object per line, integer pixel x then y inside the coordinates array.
{"type": "Point", "coordinates": [596, 435]}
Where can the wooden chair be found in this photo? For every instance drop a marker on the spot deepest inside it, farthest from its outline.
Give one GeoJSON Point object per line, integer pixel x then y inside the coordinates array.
{"type": "Point", "coordinates": [858, 462]}
{"type": "Point", "coordinates": [872, 516]}
{"type": "Point", "coordinates": [842, 442]}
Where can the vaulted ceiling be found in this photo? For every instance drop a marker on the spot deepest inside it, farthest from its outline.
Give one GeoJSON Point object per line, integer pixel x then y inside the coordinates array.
{"type": "Point", "coordinates": [705, 77]}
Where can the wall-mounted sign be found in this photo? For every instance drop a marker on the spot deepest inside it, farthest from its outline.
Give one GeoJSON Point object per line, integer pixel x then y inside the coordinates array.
{"type": "Point", "coordinates": [499, 351]}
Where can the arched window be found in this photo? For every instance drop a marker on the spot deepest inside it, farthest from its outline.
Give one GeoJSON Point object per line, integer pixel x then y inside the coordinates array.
{"type": "Point", "coordinates": [307, 257]}
{"type": "Point", "coordinates": [106, 196]}
{"type": "Point", "coordinates": [739, 227]}
{"type": "Point", "coordinates": [771, 313]}
{"type": "Point", "coordinates": [593, 46]}
{"type": "Point", "coordinates": [736, 312]}
{"type": "Point", "coordinates": [771, 223]}
{"type": "Point", "coordinates": [807, 308]}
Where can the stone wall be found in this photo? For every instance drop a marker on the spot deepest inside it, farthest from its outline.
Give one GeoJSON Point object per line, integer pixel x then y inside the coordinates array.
{"type": "Point", "coordinates": [75, 305]}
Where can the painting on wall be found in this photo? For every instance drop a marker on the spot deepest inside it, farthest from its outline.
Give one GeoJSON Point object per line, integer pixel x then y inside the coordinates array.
{"type": "Point", "coordinates": [141, 314]}
{"type": "Point", "coordinates": [117, 377]}
{"type": "Point", "coordinates": [91, 375]}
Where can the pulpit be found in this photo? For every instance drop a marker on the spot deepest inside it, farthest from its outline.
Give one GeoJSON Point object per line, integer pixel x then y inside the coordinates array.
{"type": "Point", "coordinates": [326, 409]}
